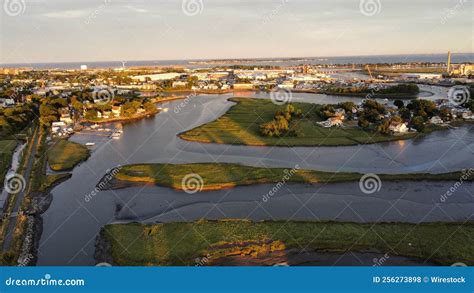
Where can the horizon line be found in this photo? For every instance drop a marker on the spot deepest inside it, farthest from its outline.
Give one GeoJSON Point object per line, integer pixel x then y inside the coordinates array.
{"type": "Point", "coordinates": [229, 58]}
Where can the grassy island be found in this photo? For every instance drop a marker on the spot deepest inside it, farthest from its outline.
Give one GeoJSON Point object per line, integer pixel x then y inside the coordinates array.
{"type": "Point", "coordinates": [241, 126]}
{"type": "Point", "coordinates": [65, 155]}
{"type": "Point", "coordinates": [216, 176]}
{"type": "Point", "coordinates": [228, 242]}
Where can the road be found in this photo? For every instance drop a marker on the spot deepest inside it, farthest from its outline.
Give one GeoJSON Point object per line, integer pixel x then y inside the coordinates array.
{"type": "Point", "coordinates": [19, 197]}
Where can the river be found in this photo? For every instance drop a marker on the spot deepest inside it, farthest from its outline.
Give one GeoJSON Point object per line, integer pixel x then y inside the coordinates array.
{"type": "Point", "coordinates": [71, 223]}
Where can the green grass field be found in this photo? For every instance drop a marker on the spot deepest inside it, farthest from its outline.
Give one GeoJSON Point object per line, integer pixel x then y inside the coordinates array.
{"type": "Point", "coordinates": [222, 175]}
{"type": "Point", "coordinates": [7, 147]}
{"type": "Point", "coordinates": [240, 125]}
{"type": "Point", "coordinates": [64, 155]}
{"type": "Point", "coordinates": [182, 243]}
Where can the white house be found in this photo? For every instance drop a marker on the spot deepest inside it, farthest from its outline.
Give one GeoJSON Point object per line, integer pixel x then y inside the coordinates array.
{"type": "Point", "coordinates": [398, 127]}
{"type": "Point", "coordinates": [436, 120]}
{"type": "Point", "coordinates": [116, 111]}
{"type": "Point", "coordinates": [7, 102]}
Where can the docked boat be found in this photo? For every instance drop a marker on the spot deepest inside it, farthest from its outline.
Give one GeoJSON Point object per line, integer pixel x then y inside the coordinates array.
{"type": "Point", "coordinates": [116, 134]}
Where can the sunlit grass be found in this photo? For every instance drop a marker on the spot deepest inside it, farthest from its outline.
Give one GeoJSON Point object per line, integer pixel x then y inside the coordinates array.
{"type": "Point", "coordinates": [241, 125]}
{"type": "Point", "coordinates": [225, 175]}
{"type": "Point", "coordinates": [182, 243]}
{"type": "Point", "coordinates": [64, 155]}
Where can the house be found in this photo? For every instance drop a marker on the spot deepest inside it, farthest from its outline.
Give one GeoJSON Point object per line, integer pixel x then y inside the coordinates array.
{"type": "Point", "coordinates": [333, 121]}
{"type": "Point", "coordinates": [7, 103]}
{"type": "Point", "coordinates": [398, 127]}
{"type": "Point", "coordinates": [179, 83]}
{"type": "Point", "coordinates": [116, 111]}
{"type": "Point", "coordinates": [243, 86]}
{"type": "Point", "coordinates": [436, 120]}
{"type": "Point", "coordinates": [57, 127]}
{"type": "Point", "coordinates": [66, 117]}
{"type": "Point", "coordinates": [286, 85]}
{"type": "Point", "coordinates": [106, 114]}
{"type": "Point", "coordinates": [340, 113]}
{"type": "Point", "coordinates": [155, 77]}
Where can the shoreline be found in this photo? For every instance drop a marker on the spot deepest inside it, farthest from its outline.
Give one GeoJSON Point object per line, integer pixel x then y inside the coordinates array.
{"type": "Point", "coordinates": [122, 179]}
{"type": "Point", "coordinates": [122, 119]}
{"type": "Point", "coordinates": [184, 135]}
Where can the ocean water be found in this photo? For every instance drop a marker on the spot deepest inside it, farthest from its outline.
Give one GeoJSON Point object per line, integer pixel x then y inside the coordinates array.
{"type": "Point", "coordinates": [380, 59]}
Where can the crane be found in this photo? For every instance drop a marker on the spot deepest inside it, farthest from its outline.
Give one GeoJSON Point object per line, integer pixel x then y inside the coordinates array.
{"type": "Point", "coordinates": [370, 72]}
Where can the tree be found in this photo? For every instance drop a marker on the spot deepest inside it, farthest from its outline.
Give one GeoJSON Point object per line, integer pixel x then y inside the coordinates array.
{"type": "Point", "coordinates": [399, 104]}
{"type": "Point", "coordinates": [363, 122]}
{"type": "Point", "coordinates": [418, 123]}
{"type": "Point", "coordinates": [445, 114]}
{"type": "Point", "coordinates": [405, 113]}
{"type": "Point", "coordinates": [384, 126]}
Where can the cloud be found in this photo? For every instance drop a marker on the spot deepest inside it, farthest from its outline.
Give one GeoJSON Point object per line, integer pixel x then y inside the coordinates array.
{"type": "Point", "coordinates": [64, 14]}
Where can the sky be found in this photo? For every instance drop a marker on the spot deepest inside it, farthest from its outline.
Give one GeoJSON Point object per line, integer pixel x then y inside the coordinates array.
{"type": "Point", "coordinates": [108, 30]}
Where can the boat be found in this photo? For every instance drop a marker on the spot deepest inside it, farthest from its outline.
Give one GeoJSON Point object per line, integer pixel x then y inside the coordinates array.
{"type": "Point", "coordinates": [90, 144]}
{"type": "Point", "coordinates": [116, 134]}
